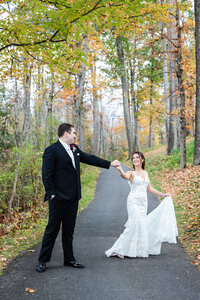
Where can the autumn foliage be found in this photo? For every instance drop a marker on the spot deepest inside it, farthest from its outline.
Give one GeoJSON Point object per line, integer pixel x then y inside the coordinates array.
{"type": "Point", "coordinates": [184, 187]}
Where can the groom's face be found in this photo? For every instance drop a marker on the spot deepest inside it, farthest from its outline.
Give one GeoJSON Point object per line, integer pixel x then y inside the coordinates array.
{"type": "Point", "coordinates": [70, 136]}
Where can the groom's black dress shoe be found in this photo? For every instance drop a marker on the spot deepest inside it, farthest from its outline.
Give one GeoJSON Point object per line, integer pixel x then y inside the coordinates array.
{"type": "Point", "coordinates": [41, 267]}
{"type": "Point", "coordinates": [74, 264]}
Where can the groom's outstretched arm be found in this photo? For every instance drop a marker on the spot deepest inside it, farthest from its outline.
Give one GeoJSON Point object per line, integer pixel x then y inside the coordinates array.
{"type": "Point", "coordinates": [95, 160]}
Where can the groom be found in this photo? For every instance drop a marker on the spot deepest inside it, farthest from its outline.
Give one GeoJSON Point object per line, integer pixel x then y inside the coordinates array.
{"type": "Point", "coordinates": [61, 179]}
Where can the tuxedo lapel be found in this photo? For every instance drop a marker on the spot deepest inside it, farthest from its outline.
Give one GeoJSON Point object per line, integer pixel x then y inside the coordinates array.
{"type": "Point", "coordinates": [74, 152]}
{"type": "Point", "coordinates": [75, 158]}
{"type": "Point", "coordinates": [64, 153]}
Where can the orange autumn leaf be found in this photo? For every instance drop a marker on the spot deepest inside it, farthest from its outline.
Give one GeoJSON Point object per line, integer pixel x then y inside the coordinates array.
{"type": "Point", "coordinates": [30, 290]}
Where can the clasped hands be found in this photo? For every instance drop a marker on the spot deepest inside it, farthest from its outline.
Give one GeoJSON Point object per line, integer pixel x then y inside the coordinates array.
{"type": "Point", "coordinates": [115, 163]}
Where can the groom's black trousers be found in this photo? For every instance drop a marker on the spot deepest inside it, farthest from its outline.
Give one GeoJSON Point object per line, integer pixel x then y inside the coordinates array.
{"type": "Point", "coordinates": [59, 212]}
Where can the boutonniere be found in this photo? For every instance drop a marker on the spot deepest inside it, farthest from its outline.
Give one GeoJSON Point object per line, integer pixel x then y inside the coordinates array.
{"type": "Point", "coordinates": [73, 148]}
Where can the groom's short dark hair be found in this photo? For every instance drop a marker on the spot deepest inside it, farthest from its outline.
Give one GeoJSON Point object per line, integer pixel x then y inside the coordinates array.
{"type": "Point", "coordinates": [64, 127]}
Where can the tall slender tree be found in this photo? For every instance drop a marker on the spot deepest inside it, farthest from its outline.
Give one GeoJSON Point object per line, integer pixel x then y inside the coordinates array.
{"type": "Point", "coordinates": [95, 107]}
{"type": "Point", "coordinates": [197, 109]}
{"type": "Point", "coordinates": [183, 129]}
{"type": "Point", "coordinates": [125, 91]}
{"type": "Point", "coordinates": [79, 108]}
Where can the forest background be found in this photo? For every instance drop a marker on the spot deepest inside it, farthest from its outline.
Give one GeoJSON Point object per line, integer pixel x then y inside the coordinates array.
{"type": "Point", "coordinates": [125, 73]}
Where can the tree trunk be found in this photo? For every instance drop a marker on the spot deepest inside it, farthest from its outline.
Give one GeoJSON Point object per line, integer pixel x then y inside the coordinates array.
{"type": "Point", "coordinates": [165, 79]}
{"type": "Point", "coordinates": [183, 129]}
{"type": "Point", "coordinates": [150, 117]}
{"type": "Point", "coordinates": [95, 110]}
{"type": "Point", "coordinates": [151, 97]}
{"type": "Point", "coordinates": [101, 150]}
{"type": "Point", "coordinates": [16, 113]}
{"type": "Point", "coordinates": [38, 108]}
{"type": "Point", "coordinates": [81, 135]}
{"type": "Point", "coordinates": [166, 88]}
{"type": "Point", "coordinates": [172, 34]}
{"type": "Point", "coordinates": [101, 138]}
{"type": "Point", "coordinates": [79, 108]}
{"type": "Point", "coordinates": [192, 126]}
{"type": "Point", "coordinates": [150, 144]}
{"type": "Point", "coordinates": [137, 140]}
{"type": "Point", "coordinates": [124, 81]}
{"type": "Point", "coordinates": [132, 62]}
{"type": "Point", "coordinates": [172, 138]}
{"type": "Point", "coordinates": [196, 160]}
{"type": "Point", "coordinates": [44, 108]}
{"type": "Point", "coordinates": [173, 131]}
{"type": "Point", "coordinates": [26, 103]}
{"type": "Point", "coordinates": [50, 109]}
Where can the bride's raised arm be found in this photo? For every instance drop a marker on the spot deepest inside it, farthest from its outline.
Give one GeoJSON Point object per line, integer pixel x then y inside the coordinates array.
{"type": "Point", "coordinates": [128, 175]}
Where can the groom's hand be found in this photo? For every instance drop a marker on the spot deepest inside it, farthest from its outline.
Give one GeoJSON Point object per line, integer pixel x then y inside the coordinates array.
{"type": "Point", "coordinates": [115, 163]}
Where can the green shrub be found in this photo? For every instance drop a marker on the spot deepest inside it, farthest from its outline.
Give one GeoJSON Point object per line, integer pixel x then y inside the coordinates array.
{"type": "Point", "coordinates": [29, 185]}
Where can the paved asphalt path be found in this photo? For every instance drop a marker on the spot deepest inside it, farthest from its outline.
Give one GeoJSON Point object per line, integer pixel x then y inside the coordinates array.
{"type": "Point", "coordinates": [167, 276]}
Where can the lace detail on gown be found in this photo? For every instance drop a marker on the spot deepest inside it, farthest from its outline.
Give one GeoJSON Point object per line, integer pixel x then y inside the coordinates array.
{"type": "Point", "coordinates": [144, 233]}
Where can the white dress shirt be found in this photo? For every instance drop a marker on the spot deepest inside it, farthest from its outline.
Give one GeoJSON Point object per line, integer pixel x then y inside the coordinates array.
{"type": "Point", "coordinates": [69, 151]}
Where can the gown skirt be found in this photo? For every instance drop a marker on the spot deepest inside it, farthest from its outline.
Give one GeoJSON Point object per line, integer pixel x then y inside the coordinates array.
{"type": "Point", "coordinates": [144, 234]}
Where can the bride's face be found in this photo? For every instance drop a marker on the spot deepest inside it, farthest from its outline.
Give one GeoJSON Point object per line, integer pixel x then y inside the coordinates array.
{"type": "Point", "coordinates": [137, 160]}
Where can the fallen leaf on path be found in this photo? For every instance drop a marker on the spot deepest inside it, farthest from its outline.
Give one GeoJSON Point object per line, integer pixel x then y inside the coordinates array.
{"type": "Point", "coordinates": [29, 290]}
{"type": "Point", "coordinates": [198, 257]}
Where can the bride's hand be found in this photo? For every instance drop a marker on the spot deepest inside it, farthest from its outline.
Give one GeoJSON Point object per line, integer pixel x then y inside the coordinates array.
{"type": "Point", "coordinates": [167, 195]}
{"type": "Point", "coordinates": [119, 167]}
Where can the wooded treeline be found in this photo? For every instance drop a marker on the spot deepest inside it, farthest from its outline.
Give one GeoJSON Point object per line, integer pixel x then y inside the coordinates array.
{"type": "Point", "coordinates": [59, 60]}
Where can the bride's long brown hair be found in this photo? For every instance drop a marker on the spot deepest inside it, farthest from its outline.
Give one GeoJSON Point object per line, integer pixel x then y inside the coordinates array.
{"type": "Point", "coordinates": [141, 155]}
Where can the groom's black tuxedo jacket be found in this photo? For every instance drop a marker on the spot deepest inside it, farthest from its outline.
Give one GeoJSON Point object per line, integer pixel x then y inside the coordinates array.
{"type": "Point", "coordinates": [59, 176]}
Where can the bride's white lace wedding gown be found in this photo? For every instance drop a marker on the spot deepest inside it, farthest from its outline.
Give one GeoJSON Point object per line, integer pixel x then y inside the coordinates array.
{"type": "Point", "coordinates": [144, 233]}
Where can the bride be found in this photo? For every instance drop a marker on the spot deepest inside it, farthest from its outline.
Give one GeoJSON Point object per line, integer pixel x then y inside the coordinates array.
{"type": "Point", "coordinates": [144, 233]}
